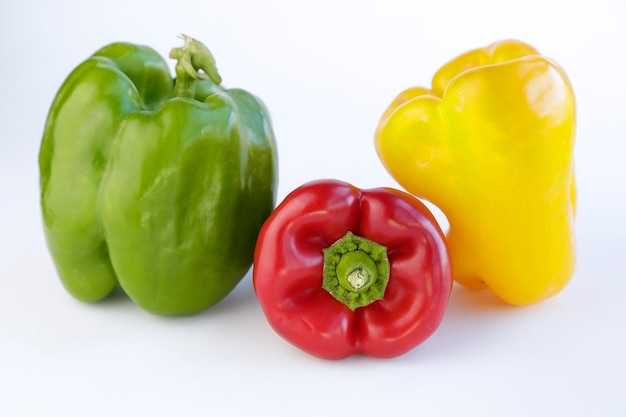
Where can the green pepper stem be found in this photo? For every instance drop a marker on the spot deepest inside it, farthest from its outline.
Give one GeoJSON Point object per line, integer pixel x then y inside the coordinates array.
{"type": "Point", "coordinates": [356, 271]}
{"type": "Point", "coordinates": [192, 57]}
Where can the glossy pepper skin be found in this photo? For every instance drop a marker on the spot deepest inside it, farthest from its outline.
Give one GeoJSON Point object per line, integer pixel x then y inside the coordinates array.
{"type": "Point", "coordinates": [291, 265]}
{"type": "Point", "coordinates": [157, 184]}
{"type": "Point", "coordinates": [491, 144]}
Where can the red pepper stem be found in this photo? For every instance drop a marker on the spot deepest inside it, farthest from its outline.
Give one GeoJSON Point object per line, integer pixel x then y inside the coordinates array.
{"type": "Point", "coordinates": [192, 57]}
{"type": "Point", "coordinates": [356, 271]}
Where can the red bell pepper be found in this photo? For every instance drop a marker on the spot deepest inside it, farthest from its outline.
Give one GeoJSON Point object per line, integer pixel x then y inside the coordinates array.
{"type": "Point", "coordinates": [339, 270]}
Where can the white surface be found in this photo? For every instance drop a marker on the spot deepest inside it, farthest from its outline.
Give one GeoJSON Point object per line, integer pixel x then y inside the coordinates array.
{"type": "Point", "coordinates": [326, 70]}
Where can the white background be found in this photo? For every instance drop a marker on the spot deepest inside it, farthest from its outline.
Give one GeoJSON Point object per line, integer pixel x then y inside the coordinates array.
{"type": "Point", "coordinates": [326, 69]}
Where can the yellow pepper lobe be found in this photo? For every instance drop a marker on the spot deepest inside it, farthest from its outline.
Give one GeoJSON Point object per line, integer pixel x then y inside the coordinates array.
{"type": "Point", "coordinates": [491, 144]}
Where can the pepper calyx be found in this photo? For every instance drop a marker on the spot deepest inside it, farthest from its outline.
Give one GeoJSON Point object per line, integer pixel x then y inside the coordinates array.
{"type": "Point", "coordinates": [356, 271]}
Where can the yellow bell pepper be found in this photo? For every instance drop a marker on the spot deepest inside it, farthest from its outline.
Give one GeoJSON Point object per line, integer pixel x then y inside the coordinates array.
{"type": "Point", "coordinates": [491, 144]}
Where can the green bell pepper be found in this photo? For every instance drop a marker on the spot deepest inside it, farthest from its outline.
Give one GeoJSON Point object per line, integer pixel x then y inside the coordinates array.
{"type": "Point", "coordinates": [158, 184]}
